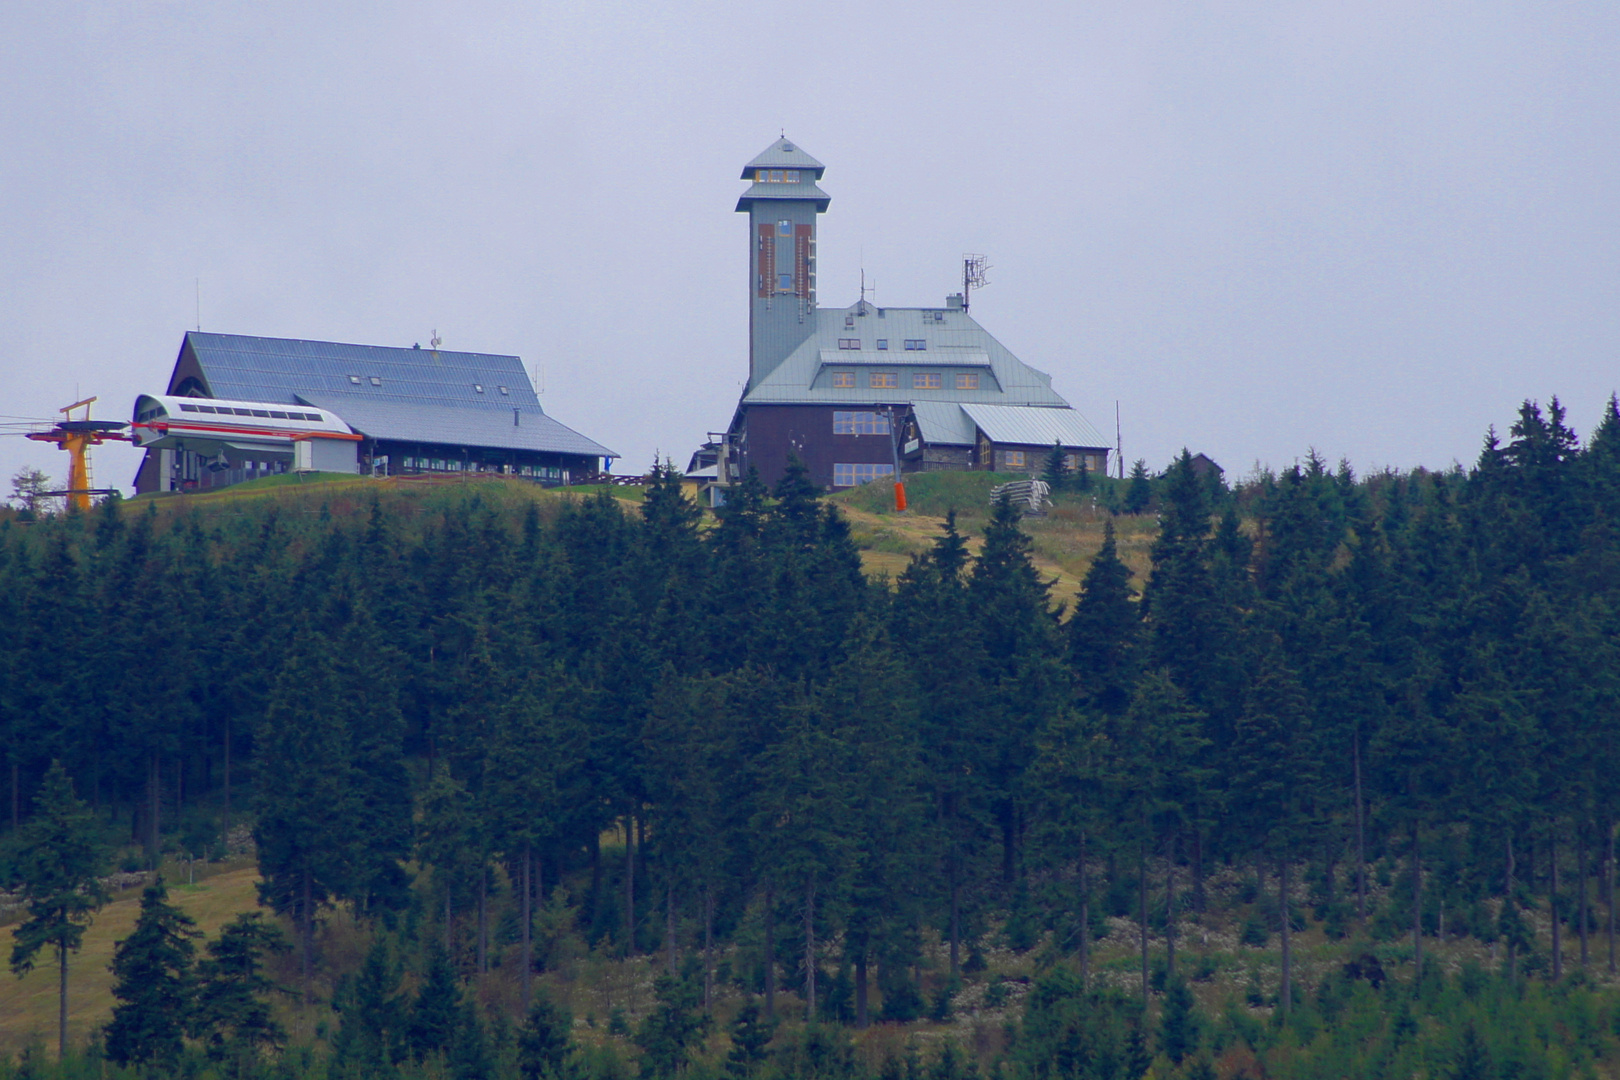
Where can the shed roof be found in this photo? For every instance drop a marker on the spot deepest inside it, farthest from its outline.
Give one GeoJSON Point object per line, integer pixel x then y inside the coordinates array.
{"type": "Point", "coordinates": [1023, 426]}
{"type": "Point", "coordinates": [943, 423]}
{"type": "Point", "coordinates": [784, 153]}
{"type": "Point", "coordinates": [490, 425]}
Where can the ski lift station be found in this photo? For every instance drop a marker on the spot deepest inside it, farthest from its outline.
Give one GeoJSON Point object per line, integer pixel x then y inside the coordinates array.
{"type": "Point", "coordinates": [237, 408]}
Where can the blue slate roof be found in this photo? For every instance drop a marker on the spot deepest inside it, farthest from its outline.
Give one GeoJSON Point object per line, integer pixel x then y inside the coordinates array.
{"type": "Point", "coordinates": [418, 395]}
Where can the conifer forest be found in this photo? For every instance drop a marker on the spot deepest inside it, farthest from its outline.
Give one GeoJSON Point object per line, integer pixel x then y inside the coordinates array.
{"type": "Point", "coordinates": [576, 786]}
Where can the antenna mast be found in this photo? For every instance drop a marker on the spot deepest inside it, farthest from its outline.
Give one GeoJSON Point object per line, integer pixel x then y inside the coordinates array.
{"type": "Point", "coordinates": [974, 269]}
{"type": "Point", "coordinates": [1119, 443]}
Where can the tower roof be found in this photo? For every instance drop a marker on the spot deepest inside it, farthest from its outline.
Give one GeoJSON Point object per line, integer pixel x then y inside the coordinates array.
{"type": "Point", "coordinates": [784, 153]}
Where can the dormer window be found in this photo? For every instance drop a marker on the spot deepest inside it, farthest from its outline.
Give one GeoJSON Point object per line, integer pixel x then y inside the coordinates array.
{"type": "Point", "coordinates": [355, 379]}
{"type": "Point", "coordinates": [503, 390]}
{"type": "Point", "coordinates": [478, 388]}
{"type": "Point", "coordinates": [376, 380]}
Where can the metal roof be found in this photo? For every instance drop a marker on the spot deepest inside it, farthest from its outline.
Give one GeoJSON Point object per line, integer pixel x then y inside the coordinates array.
{"type": "Point", "coordinates": [897, 354]}
{"type": "Point", "coordinates": [406, 394]}
{"type": "Point", "coordinates": [784, 153]}
{"type": "Point", "coordinates": [278, 369]}
{"type": "Point", "coordinates": [943, 423]}
{"type": "Point", "coordinates": [464, 425]}
{"type": "Point", "coordinates": [1024, 426]}
{"type": "Point", "coordinates": [767, 191]}
{"type": "Point", "coordinates": [953, 338]}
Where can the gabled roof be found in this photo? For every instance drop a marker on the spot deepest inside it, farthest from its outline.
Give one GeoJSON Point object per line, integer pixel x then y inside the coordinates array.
{"type": "Point", "coordinates": [953, 342]}
{"type": "Point", "coordinates": [1020, 426]}
{"type": "Point", "coordinates": [784, 153]}
{"type": "Point", "coordinates": [277, 369]}
{"type": "Point", "coordinates": [410, 395]}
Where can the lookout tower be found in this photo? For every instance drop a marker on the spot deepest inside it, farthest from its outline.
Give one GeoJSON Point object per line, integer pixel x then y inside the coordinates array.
{"type": "Point", "coordinates": [782, 202]}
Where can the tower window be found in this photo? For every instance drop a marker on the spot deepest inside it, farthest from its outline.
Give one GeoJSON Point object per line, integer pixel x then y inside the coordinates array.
{"type": "Point", "coordinates": [784, 228]}
{"type": "Point", "coordinates": [790, 176]}
{"type": "Point", "coordinates": [784, 282]}
{"type": "Point", "coordinates": [967, 381]}
{"type": "Point", "coordinates": [849, 343]}
{"type": "Point", "coordinates": [883, 344]}
{"type": "Point", "coordinates": [916, 345]}
{"type": "Point", "coordinates": [882, 380]}
{"type": "Point", "coordinates": [843, 380]}
{"type": "Point", "coordinates": [776, 176]}
{"type": "Point", "coordinates": [925, 382]}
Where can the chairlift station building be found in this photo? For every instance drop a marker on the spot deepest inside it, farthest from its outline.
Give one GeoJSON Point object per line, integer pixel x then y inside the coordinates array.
{"type": "Point", "coordinates": [237, 408]}
{"type": "Point", "coordinates": [852, 390]}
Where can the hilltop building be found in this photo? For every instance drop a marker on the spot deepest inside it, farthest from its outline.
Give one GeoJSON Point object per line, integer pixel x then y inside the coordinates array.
{"type": "Point", "coordinates": [237, 408]}
{"type": "Point", "coordinates": [858, 392]}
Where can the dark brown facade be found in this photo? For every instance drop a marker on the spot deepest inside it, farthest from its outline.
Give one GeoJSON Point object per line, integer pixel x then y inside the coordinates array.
{"type": "Point", "coordinates": [770, 433]}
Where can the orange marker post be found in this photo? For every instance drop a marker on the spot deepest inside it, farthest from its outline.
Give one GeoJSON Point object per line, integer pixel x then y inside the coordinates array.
{"type": "Point", "coordinates": [899, 497]}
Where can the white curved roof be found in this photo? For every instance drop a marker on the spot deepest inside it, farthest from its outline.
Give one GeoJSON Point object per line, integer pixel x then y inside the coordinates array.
{"type": "Point", "coordinates": [164, 416]}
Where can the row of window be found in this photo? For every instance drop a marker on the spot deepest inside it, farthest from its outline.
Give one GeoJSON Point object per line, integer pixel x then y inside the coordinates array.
{"type": "Point", "coordinates": [922, 380]}
{"type": "Point", "coordinates": [276, 414]}
{"type": "Point", "coordinates": [912, 344]}
{"type": "Point", "coordinates": [776, 176]}
{"type": "Point", "coordinates": [860, 423]}
{"type": "Point", "coordinates": [426, 464]}
{"type": "Point", "coordinates": [860, 472]}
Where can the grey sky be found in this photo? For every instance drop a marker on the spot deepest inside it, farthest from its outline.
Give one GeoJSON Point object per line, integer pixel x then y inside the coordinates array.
{"type": "Point", "coordinates": [1368, 227]}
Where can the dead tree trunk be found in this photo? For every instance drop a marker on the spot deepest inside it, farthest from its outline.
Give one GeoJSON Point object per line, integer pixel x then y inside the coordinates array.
{"type": "Point", "coordinates": [1608, 893]}
{"type": "Point", "coordinates": [770, 953]}
{"type": "Point", "coordinates": [669, 927]}
{"type": "Point", "coordinates": [1287, 999]}
{"type": "Point", "coordinates": [1417, 903]}
{"type": "Point", "coordinates": [483, 918]}
{"type": "Point", "coordinates": [1170, 907]}
{"type": "Point", "coordinates": [1580, 886]}
{"type": "Point", "coordinates": [862, 1020]}
{"type": "Point", "coordinates": [1552, 907]}
{"type": "Point", "coordinates": [227, 770]}
{"type": "Point", "coordinates": [1361, 832]}
{"type": "Point", "coordinates": [630, 883]}
{"type": "Point", "coordinates": [810, 951]}
{"type": "Point", "coordinates": [1507, 908]}
{"type": "Point", "coordinates": [528, 927]}
{"type": "Point", "coordinates": [1085, 919]}
{"type": "Point", "coordinates": [956, 920]}
{"type": "Point", "coordinates": [1141, 910]}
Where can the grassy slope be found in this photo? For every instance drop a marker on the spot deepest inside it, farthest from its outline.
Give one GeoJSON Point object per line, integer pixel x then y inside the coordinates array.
{"type": "Point", "coordinates": [28, 1004]}
{"type": "Point", "coordinates": [1065, 540]}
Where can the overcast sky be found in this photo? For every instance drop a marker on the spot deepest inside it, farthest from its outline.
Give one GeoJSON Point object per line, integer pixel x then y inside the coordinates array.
{"type": "Point", "coordinates": [1370, 228]}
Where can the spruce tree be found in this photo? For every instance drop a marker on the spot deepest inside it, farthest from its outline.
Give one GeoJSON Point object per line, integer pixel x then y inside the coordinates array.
{"type": "Point", "coordinates": [234, 1015]}
{"type": "Point", "coordinates": [1105, 630]}
{"type": "Point", "coordinates": [1139, 492]}
{"type": "Point", "coordinates": [372, 1038]}
{"type": "Point", "coordinates": [155, 984]}
{"type": "Point", "coordinates": [436, 1012]}
{"type": "Point", "coordinates": [545, 1040]}
{"type": "Point", "coordinates": [1056, 470]}
{"type": "Point", "coordinates": [58, 864]}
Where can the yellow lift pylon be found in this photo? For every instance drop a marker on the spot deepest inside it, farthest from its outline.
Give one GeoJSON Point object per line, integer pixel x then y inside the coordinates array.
{"type": "Point", "coordinates": [77, 437]}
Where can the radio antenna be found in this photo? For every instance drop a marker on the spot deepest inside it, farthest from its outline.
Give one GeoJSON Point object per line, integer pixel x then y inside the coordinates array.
{"type": "Point", "coordinates": [974, 269]}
